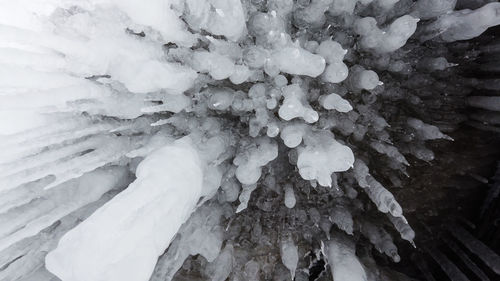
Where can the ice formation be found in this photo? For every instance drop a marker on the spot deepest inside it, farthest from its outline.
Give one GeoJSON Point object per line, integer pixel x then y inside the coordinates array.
{"type": "Point", "coordinates": [129, 229]}
{"type": "Point", "coordinates": [219, 138]}
{"type": "Point", "coordinates": [289, 255]}
{"type": "Point", "coordinates": [343, 261]}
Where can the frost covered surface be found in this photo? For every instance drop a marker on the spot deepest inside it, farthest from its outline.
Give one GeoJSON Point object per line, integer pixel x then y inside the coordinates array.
{"type": "Point", "coordinates": [250, 134]}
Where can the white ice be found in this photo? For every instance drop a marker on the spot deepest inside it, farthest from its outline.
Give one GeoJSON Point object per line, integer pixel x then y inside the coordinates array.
{"type": "Point", "coordinates": [342, 259]}
{"type": "Point", "coordinates": [124, 238]}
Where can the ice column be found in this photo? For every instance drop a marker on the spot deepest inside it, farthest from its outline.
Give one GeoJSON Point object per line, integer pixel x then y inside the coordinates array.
{"type": "Point", "coordinates": [123, 239]}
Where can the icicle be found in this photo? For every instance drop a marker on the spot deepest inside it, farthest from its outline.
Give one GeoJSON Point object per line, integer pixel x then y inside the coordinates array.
{"type": "Point", "coordinates": [380, 239]}
{"type": "Point", "coordinates": [295, 105]}
{"type": "Point", "coordinates": [404, 229]}
{"type": "Point", "coordinates": [463, 24]}
{"type": "Point", "coordinates": [362, 79]}
{"type": "Point", "coordinates": [250, 162]}
{"type": "Point", "coordinates": [388, 40]}
{"type": "Point", "coordinates": [45, 208]}
{"type": "Point", "coordinates": [23, 257]}
{"type": "Point", "coordinates": [342, 259]}
{"type": "Point", "coordinates": [289, 255]}
{"type": "Point", "coordinates": [221, 267]}
{"type": "Point", "coordinates": [245, 196]}
{"type": "Point", "coordinates": [383, 199]}
{"type": "Point", "coordinates": [336, 71]}
{"type": "Point", "coordinates": [251, 271]}
{"type": "Point", "coordinates": [201, 234]}
{"type": "Point", "coordinates": [289, 196]}
{"type": "Point", "coordinates": [428, 9]}
{"type": "Point", "coordinates": [297, 61]}
{"type": "Point", "coordinates": [72, 163]}
{"type": "Point", "coordinates": [341, 217]}
{"type": "Point", "coordinates": [315, 159]}
{"type": "Point", "coordinates": [334, 101]}
{"type": "Point", "coordinates": [390, 151]}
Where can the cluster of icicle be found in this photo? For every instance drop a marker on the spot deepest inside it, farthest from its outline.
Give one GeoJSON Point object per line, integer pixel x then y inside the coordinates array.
{"type": "Point", "coordinates": [217, 138]}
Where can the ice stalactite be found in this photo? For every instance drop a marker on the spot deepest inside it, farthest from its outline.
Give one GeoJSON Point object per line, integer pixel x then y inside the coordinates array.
{"type": "Point", "coordinates": [25, 259]}
{"type": "Point", "coordinates": [201, 234]}
{"type": "Point", "coordinates": [290, 199]}
{"type": "Point", "coordinates": [380, 239]}
{"type": "Point", "coordinates": [404, 229]}
{"type": "Point", "coordinates": [342, 217]}
{"type": "Point", "coordinates": [383, 199]}
{"type": "Point", "coordinates": [389, 40]}
{"type": "Point", "coordinates": [314, 160]}
{"type": "Point", "coordinates": [36, 210]}
{"type": "Point", "coordinates": [342, 259]}
{"type": "Point", "coordinates": [463, 24]}
{"type": "Point", "coordinates": [289, 255]}
{"type": "Point", "coordinates": [295, 105]}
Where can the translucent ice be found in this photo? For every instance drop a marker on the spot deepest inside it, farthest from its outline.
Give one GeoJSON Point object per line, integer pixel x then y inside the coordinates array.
{"type": "Point", "coordinates": [94, 92]}
{"type": "Point", "coordinates": [313, 14]}
{"type": "Point", "coordinates": [250, 162]}
{"type": "Point", "coordinates": [334, 101]}
{"type": "Point", "coordinates": [157, 14]}
{"type": "Point", "coordinates": [218, 66]}
{"type": "Point", "coordinates": [385, 4]}
{"type": "Point", "coordinates": [321, 156]}
{"type": "Point", "coordinates": [289, 255]}
{"type": "Point", "coordinates": [201, 234]}
{"type": "Point", "coordinates": [341, 216]}
{"type": "Point", "coordinates": [332, 51]}
{"type": "Point", "coordinates": [336, 71]}
{"type": "Point", "coordinates": [380, 239]}
{"type": "Point", "coordinates": [221, 267]}
{"type": "Point", "coordinates": [35, 210]}
{"type": "Point", "coordinates": [295, 105]}
{"type": "Point", "coordinates": [290, 199]}
{"type": "Point", "coordinates": [383, 199]}
{"type": "Point", "coordinates": [343, 261]}
{"type": "Point", "coordinates": [428, 9]}
{"type": "Point", "coordinates": [360, 79]}
{"type": "Point", "coordinates": [245, 196]}
{"type": "Point", "coordinates": [388, 40]}
{"type": "Point", "coordinates": [402, 226]}
{"type": "Point", "coordinates": [339, 7]}
{"type": "Point", "coordinates": [390, 151]}
{"type": "Point", "coordinates": [463, 24]}
{"type": "Point", "coordinates": [426, 131]}
{"type": "Point", "coordinates": [295, 60]}
{"type": "Point", "coordinates": [219, 17]}
{"type": "Point", "coordinates": [292, 134]}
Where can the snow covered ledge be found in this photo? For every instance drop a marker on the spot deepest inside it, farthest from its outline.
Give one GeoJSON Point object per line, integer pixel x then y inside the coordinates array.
{"type": "Point", "coordinates": [123, 239]}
